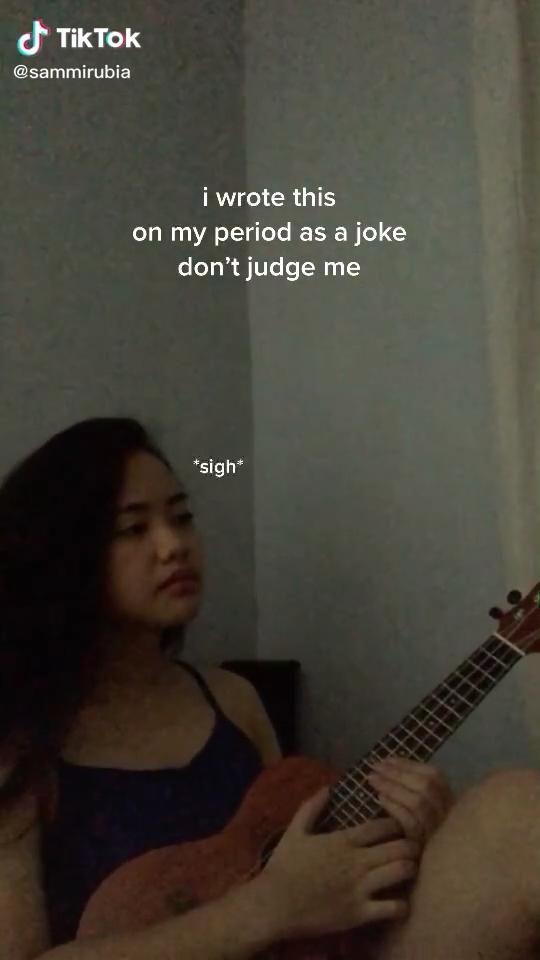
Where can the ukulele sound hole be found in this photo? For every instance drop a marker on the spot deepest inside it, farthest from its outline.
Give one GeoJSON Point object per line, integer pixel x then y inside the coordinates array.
{"type": "Point", "coordinates": [181, 901]}
{"type": "Point", "coordinates": [269, 848]}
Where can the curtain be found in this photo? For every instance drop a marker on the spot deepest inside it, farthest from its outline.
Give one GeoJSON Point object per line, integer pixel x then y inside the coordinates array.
{"type": "Point", "coordinates": [505, 76]}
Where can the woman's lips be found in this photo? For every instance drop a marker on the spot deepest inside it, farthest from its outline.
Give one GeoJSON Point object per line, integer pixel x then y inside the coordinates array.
{"type": "Point", "coordinates": [182, 586]}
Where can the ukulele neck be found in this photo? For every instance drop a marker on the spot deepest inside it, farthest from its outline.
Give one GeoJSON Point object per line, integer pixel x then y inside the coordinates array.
{"type": "Point", "coordinates": [420, 734]}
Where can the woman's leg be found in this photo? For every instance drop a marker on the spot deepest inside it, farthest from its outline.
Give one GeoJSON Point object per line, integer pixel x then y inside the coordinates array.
{"type": "Point", "coordinates": [477, 896]}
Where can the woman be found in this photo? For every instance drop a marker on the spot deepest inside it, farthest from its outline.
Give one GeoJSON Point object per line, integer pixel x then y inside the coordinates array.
{"type": "Point", "coordinates": [101, 568]}
{"type": "Point", "coordinates": [112, 747]}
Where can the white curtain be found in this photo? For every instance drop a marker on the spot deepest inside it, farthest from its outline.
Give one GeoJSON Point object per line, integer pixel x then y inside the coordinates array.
{"type": "Point", "coordinates": [529, 23]}
{"type": "Point", "coordinates": [505, 76]}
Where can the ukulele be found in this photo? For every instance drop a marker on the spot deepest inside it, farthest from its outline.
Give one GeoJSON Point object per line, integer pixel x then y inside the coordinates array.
{"type": "Point", "coordinates": [176, 878]}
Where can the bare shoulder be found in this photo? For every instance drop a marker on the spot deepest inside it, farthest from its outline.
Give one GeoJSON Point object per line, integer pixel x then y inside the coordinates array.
{"type": "Point", "coordinates": [242, 703]}
{"type": "Point", "coordinates": [23, 915]}
{"type": "Point", "coordinates": [17, 817]}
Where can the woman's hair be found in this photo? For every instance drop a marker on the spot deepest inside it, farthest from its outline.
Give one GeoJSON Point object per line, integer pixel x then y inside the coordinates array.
{"type": "Point", "coordinates": [57, 510]}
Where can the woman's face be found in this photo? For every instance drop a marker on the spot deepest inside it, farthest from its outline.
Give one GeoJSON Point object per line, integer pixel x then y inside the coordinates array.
{"type": "Point", "coordinates": [154, 540]}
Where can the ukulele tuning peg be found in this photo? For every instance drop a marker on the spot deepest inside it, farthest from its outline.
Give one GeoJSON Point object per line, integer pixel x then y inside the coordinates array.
{"type": "Point", "coordinates": [514, 597]}
{"type": "Point", "coordinates": [496, 613]}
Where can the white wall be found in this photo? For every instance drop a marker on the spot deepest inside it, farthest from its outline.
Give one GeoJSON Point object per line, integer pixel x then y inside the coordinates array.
{"type": "Point", "coordinates": [94, 324]}
{"type": "Point", "coordinates": [378, 550]}
{"type": "Point", "coordinates": [379, 546]}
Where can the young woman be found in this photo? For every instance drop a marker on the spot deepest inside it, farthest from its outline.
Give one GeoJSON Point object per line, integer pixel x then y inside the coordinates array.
{"type": "Point", "coordinates": [111, 746]}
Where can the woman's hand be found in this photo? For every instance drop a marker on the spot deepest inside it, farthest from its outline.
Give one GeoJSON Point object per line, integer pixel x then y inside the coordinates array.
{"type": "Point", "coordinates": [415, 794]}
{"type": "Point", "coordinates": [319, 883]}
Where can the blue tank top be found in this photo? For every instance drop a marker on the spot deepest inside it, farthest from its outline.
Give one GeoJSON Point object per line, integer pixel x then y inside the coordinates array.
{"type": "Point", "coordinates": [106, 816]}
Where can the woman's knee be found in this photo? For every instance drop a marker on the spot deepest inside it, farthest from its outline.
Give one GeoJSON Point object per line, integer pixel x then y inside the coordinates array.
{"type": "Point", "coordinates": [490, 843]}
{"type": "Point", "coordinates": [502, 809]}
{"type": "Point", "coordinates": [515, 789]}
{"type": "Point", "coordinates": [479, 877]}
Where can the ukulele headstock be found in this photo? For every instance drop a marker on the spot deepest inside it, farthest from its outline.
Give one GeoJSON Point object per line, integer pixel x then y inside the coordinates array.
{"type": "Point", "coordinates": [520, 624]}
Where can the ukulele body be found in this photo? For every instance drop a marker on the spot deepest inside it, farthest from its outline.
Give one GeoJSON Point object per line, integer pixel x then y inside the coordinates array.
{"type": "Point", "coordinates": [173, 879]}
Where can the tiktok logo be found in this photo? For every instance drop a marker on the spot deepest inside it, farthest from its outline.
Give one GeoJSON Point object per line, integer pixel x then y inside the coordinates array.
{"type": "Point", "coordinates": [31, 43]}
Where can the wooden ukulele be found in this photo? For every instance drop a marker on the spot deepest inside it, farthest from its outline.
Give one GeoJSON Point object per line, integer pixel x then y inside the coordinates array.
{"type": "Point", "coordinates": [173, 879]}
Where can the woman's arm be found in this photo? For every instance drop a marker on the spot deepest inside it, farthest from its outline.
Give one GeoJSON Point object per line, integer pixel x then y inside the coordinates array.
{"type": "Point", "coordinates": [236, 926]}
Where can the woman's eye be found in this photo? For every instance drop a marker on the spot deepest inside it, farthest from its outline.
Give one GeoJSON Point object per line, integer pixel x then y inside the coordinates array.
{"type": "Point", "coordinates": [182, 518]}
{"type": "Point", "coordinates": [134, 531]}
{"type": "Point", "coordinates": [138, 529]}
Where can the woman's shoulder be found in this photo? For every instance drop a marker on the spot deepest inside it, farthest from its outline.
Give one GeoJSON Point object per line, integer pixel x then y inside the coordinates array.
{"type": "Point", "coordinates": [23, 918]}
{"type": "Point", "coordinates": [17, 813]}
{"type": "Point", "coordinates": [241, 701]}
{"type": "Point", "coordinates": [34, 801]}
{"type": "Point", "coordinates": [18, 816]}
{"type": "Point", "coordinates": [232, 691]}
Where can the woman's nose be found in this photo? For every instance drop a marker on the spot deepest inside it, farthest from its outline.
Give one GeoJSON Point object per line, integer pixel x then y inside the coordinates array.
{"type": "Point", "coordinates": [170, 543]}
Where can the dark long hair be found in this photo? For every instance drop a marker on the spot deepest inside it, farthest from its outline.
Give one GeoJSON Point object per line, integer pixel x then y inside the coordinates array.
{"type": "Point", "coordinates": [57, 512]}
